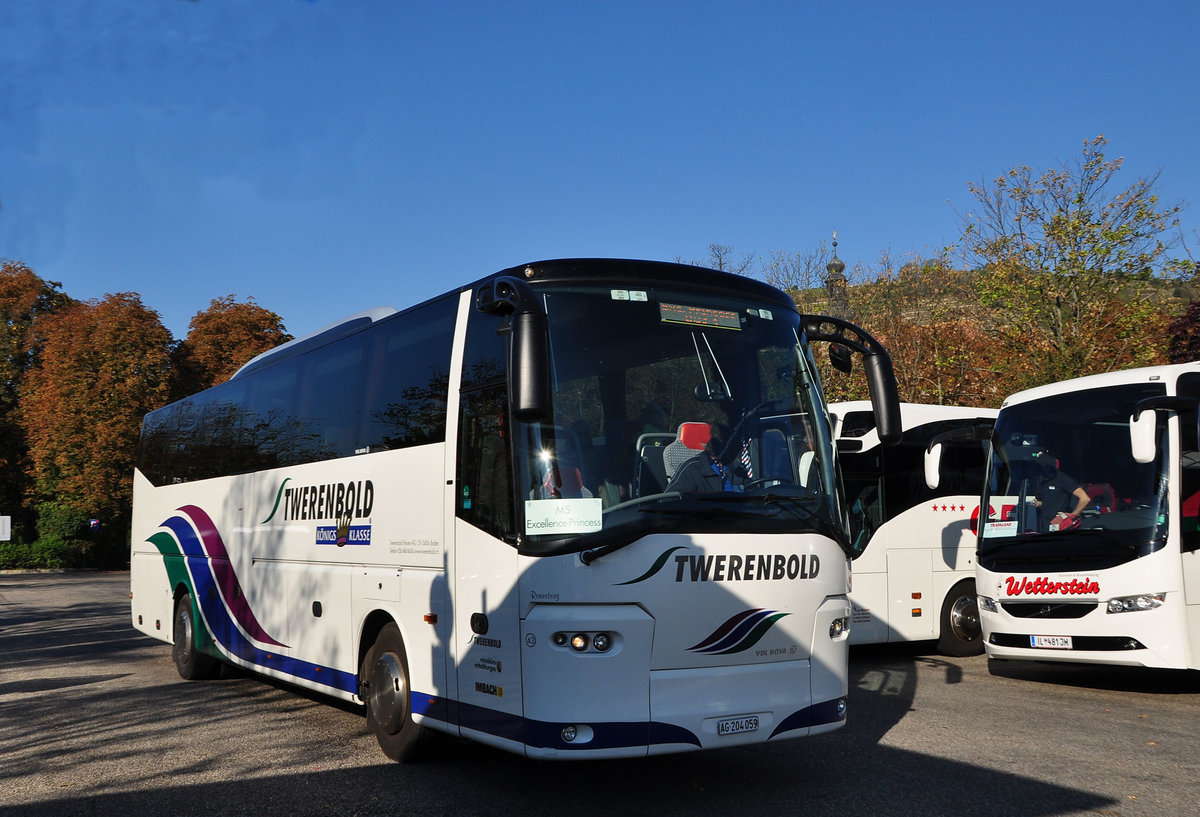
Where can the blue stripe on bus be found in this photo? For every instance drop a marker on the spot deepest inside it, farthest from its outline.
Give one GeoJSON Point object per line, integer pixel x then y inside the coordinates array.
{"type": "Point", "coordinates": [816, 715]}
{"type": "Point", "coordinates": [546, 735]}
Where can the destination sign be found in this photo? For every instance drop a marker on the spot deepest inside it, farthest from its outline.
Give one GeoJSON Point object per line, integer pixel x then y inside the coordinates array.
{"type": "Point", "coordinates": [699, 316]}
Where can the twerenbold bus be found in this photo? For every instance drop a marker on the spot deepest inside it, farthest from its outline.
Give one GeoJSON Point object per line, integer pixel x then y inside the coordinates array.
{"type": "Point", "coordinates": [916, 578]}
{"type": "Point", "coordinates": [461, 515]}
{"type": "Point", "coordinates": [1091, 551]}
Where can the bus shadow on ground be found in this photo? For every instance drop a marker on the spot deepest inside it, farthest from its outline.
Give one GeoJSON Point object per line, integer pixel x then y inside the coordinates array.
{"type": "Point", "coordinates": [849, 771]}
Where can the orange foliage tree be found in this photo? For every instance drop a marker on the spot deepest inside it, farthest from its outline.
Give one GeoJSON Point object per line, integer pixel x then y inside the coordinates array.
{"type": "Point", "coordinates": [102, 366]}
{"type": "Point", "coordinates": [221, 339]}
{"type": "Point", "coordinates": [23, 298]}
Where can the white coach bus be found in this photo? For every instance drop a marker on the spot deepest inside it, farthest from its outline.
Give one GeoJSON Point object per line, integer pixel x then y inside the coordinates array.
{"type": "Point", "coordinates": [915, 580]}
{"type": "Point", "coordinates": [560, 511]}
{"type": "Point", "coordinates": [1091, 548]}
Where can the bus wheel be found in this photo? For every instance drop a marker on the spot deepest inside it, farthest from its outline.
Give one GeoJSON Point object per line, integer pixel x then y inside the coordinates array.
{"type": "Point", "coordinates": [385, 690]}
{"type": "Point", "coordinates": [961, 633]}
{"type": "Point", "coordinates": [191, 664]}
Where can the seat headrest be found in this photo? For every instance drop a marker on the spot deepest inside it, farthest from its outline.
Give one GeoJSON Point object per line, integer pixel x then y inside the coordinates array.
{"type": "Point", "coordinates": [695, 435]}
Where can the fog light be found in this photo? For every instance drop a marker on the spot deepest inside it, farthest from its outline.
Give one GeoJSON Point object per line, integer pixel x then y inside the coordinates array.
{"type": "Point", "coordinates": [841, 708]}
{"type": "Point", "coordinates": [569, 733]}
{"type": "Point", "coordinates": [601, 642]}
{"type": "Point", "coordinates": [579, 642]}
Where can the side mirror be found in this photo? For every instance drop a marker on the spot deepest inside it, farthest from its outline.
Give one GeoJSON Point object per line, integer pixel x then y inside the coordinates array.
{"type": "Point", "coordinates": [933, 465]}
{"type": "Point", "coordinates": [1143, 425]}
{"type": "Point", "coordinates": [1141, 437]}
{"type": "Point", "coordinates": [529, 392]}
{"type": "Point", "coordinates": [933, 452]}
{"type": "Point", "coordinates": [529, 367]}
{"type": "Point", "coordinates": [841, 358]}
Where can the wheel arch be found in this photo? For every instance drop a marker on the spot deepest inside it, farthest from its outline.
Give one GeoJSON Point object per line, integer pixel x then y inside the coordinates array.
{"type": "Point", "coordinates": [372, 625]}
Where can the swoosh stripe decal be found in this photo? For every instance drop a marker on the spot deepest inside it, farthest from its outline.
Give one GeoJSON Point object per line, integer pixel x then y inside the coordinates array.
{"type": "Point", "coordinates": [212, 572]}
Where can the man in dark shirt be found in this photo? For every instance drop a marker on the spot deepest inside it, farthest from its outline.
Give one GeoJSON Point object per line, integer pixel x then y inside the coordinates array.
{"type": "Point", "coordinates": [1056, 493]}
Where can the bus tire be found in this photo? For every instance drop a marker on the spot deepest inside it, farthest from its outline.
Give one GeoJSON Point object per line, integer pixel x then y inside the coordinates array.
{"type": "Point", "coordinates": [384, 688]}
{"type": "Point", "coordinates": [190, 663]}
{"type": "Point", "coordinates": [961, 634]}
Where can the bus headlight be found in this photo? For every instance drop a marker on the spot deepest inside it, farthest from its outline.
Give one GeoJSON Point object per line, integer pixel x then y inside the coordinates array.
{"type": "Point", "coordinates": [1134, 604]}
{"type": "Point", "coordinates": [988, 604]}
{"type": "Point", "coordinates": [839, 627]}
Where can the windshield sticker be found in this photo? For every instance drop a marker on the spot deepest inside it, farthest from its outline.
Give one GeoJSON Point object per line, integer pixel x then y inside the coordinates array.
{"type": "Point", "coordinates": [699, 316]}
{"type": "Point", "coordinates": [629, 295]}
{"type": "Point", "coordinates": [555, 516]}
{"type": "Point", "coordinates": [993, 529]}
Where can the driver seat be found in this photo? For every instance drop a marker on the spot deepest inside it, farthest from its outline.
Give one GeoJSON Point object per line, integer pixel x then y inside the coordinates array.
{"type": "Point", "coordinates": [689, 441]}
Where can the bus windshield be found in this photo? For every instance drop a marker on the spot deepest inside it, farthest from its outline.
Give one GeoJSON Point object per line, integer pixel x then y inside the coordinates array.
{"type": "Point", "coordinates": [673, 411]}
{"type": "Point", "coordinates": [1065, 452]}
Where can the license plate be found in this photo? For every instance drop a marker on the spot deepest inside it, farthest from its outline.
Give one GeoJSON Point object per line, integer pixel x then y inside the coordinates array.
{"type": "Point", "coordinates": [1050, 642]}
{"type": "Point", "coordinates": [734, 726]}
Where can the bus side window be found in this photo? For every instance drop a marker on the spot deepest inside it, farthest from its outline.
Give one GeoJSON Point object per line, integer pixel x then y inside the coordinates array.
{"type": "Point", "coordinates": [1189, 478]}
{"type": "Point", "coordinates": [331, 391]}
{"type": "Point", "coordinates": [483, 472]}
{"type": "Point", "coordinates": [408, 381]}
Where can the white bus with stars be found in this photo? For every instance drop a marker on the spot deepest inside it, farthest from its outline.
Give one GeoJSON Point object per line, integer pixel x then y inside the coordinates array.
{"type": "Point", "coordinates": [915, 579]}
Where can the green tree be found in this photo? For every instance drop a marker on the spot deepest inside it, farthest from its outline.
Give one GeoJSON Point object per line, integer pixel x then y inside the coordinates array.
{"type": "Point", "coordinates": [1072, 268]}
{"type": "Point", "coordinates": [221, 339]}
{"type": "Point", "coordinates": [102, 366]}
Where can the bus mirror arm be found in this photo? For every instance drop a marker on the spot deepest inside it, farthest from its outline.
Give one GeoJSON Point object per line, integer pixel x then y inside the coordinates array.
{"type": "Point", "coordinates": [529, 344]}
{"type": "Point", "coordinates": [881, 378]}
{"type": "Point", "coordinates": [1142, 424]}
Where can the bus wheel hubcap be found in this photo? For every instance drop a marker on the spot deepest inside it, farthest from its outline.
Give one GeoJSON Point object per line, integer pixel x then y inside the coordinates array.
{"type": "Point", "coordinates": [388, 693]}
{"type": "Point", "coordinates": [964, 618]}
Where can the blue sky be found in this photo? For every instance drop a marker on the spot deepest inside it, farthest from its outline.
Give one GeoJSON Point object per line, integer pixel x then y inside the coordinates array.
{"type": "Point", "coordinates": [326, 156]}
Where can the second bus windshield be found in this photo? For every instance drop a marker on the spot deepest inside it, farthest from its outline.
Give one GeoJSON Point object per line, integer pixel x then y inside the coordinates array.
{"type": "Point", "coordinates": [1048, 454]}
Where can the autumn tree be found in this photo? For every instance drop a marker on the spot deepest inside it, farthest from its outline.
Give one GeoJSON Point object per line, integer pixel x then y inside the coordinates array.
{"type": "Point", "coordinates": [1072, 267]}
{"type": "Point", "coordinates": [1183, 336]}
{"type": "Point", "coordinates": [221, 339]}
{"type": "Point", "coordinates": [102, 366]}
{"type": "Point", "coordinates": [924, 313]}
{"type": "Point", "coordinates": [24, 297]}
